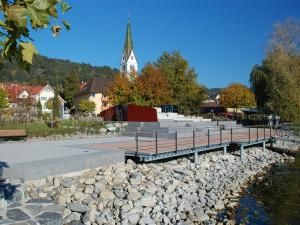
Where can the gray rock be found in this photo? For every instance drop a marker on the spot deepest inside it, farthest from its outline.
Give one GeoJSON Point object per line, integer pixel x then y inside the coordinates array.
{"type": "Point", "coordinates": [78, 207]}
{"type": "Point", "coordinates": [133, 218]}
{"type": "Point", "coordinates": [103, 130]}
{"type": "Point", "coordinates": [89, 189]}
{"type": "Point", "coordinates": [148, 201]}
{"type": "Point", "coordinates": [49, 218]}
{"type": "Point", "coordinates": [135, 181]}
{"type": "Point", "coordinates": [90, 181]}
{"type": "Point", "coordinates": [68, 182]}
{"type": "Point", "coordinates": [107, 195]}
{"type": "Point", "coordinates": [17, 215]}
{"type": "Point", "coordinates": [219, 205]}
{"type": "Point", "coordinates": [72, 217]}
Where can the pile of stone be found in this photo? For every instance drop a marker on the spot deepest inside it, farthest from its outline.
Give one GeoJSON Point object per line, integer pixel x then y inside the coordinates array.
{"type": "Point", "coordinates": [289, 146]}
{"type": "Point", "coordinates": [174, 192]}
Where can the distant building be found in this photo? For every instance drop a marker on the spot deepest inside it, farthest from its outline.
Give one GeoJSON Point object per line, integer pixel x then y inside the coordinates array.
{"type": "Point", "coordinates": [18, 92]}
{"type": "Point", "coordinates": [94, 90]}
{"type": "Point", "coordinates": [128, 63]}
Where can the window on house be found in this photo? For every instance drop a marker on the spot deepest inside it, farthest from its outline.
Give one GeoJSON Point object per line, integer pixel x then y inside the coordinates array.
{"type": "Point", "coordinates": [132, 57]}
{"type": "Point", "coordinates": [43, 98]}
{"type": "Point", "coordinates": [93, 95]}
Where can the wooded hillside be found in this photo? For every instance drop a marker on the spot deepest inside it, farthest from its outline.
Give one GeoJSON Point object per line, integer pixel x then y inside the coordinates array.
{"type": "Point", "coordinates": [50, 70]}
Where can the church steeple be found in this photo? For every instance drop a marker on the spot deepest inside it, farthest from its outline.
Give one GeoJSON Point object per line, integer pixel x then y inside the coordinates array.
{"type": "Point", "coordinates": [128, 61]}
{"type": "Point", "coordinates": [128, 46]}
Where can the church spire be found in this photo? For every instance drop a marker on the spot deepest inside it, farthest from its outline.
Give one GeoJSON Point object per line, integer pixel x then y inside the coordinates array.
{"type": "Point", "coordinates": [128, 46]}
{"type": "Point", "coordinates": [128, 63]}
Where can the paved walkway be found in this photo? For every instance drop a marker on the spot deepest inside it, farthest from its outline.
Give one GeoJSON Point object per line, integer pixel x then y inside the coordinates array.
{"type": "Point", "coordinates": [33, 160]}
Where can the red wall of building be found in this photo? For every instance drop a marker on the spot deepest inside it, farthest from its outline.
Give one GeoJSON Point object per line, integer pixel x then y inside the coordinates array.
{"type": "Point", "coordinates": [132, 113]}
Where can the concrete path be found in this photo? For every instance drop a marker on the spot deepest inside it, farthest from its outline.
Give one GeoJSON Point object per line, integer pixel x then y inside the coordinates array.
{"type": "Point", "coordinates": [33, 160]}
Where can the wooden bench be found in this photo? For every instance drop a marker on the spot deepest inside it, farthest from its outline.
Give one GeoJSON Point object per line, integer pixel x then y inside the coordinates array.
{"type": "Point", "coordinates": [12, 135]}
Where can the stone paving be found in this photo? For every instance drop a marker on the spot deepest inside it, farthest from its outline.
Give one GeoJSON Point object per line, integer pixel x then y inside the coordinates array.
{"type": "Point", "coordinates": [33, 212]}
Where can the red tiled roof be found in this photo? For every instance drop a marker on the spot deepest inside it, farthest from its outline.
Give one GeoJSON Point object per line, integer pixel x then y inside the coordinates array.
{"type": "Point", "coordinates": [13, 90]}
{"type": "Point", "coordinates": [34, 90]}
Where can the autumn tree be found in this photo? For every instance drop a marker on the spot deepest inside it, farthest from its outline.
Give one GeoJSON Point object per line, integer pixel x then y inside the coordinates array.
{"type": "Point", "coordinates": [186, 93]}
{"type": "Point", "coordinates": [119, 90]}
{"type": "Point", "coordinates": [237, 96]}
{"type": "Point", "coordinates": [19, 18]}
{"type": "Point", "coordinates": [153, 88]}
{"type": "Point", "coordinates": [71, 86]}
{"type": "Point", "coordinates": [3, 99]}
{"type": "Point", "coordinates": [86, 106]}
{"type": "Point", "coordinates": [276, 81]}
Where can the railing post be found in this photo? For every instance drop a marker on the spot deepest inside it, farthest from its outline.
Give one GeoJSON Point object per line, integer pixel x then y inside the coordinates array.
{"type": "Point", "coordinates": [176, 147]}
{"type": "Point", "coordinates": [249, 137]}
{"type": "Point", "coordinates": [156, 143]}
{"type": "Point", "coordinates": [136, 142]}
{"type": "Point", "coordinates": [264, 133]}
{"type": "Point", "coordinates": [220, 136]}
{"type": "Point", "coordinates": [231, 134]}
{"type": "Point", "coordinates": [208, 137]}
{"type": "Point", "coordinates": [270, 132]}
{"type": "Point", "coordinates": [257, 134]}
{"type": "Point", "coordinates": [241, 152]}
{"type": "Point", "coordinates": [194, 139]}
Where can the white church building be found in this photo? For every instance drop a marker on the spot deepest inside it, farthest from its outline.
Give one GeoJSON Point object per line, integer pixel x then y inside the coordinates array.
{"type": "Point", "coordinates": [128, 64]}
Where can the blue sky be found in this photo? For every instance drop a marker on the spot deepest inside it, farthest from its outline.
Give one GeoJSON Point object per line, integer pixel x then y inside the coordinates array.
{"type": "Point", "coordinates": [221, 39]}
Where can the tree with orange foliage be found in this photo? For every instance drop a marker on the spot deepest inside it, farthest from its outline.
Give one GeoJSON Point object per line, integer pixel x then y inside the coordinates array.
{"type": "Point", "coordinates": [124, 91]}
{"type": "Point", "coordinates": [153, 87]}
{"type": "Point", "coordinates": [237, 96]}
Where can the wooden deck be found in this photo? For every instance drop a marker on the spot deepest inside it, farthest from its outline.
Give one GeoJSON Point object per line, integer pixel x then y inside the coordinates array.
{"type": "Point", "coordinates": [161, 148]}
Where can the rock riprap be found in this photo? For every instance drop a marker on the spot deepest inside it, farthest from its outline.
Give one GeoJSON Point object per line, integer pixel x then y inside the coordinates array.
{"type": "Point", "coordinates": [174, 192]}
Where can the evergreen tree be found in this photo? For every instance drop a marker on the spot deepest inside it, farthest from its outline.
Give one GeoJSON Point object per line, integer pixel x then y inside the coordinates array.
{"type": "Point", "coordinates": [56, 106]}
{"type": "Point", "coordinates": [71, 86]}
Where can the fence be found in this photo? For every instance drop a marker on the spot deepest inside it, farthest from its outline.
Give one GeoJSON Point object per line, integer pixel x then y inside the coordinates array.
{"type": "Point", "coordinates": [210, 137]}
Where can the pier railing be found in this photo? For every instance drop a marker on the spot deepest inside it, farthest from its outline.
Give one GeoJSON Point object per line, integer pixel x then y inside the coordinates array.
{"type": "Point", "coordinates": [159, 142]}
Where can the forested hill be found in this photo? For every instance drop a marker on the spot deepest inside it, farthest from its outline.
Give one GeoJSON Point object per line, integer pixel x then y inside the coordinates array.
{"type": "Point", "coordinates": [52, 71]}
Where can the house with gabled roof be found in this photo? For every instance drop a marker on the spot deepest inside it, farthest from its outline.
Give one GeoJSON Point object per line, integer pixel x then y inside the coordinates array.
{"type": "Point", "coordinates": [94, 90]}
{"type": "Point", "coordinates": [38, 93]}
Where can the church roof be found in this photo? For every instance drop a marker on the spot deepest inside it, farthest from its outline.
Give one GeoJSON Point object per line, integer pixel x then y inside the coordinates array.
{"type": "Point", "coordinates": [128, 46]}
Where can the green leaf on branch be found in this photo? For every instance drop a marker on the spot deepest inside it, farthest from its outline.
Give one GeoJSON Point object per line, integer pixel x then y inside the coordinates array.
{"type": "Point", "coordinates": [18, 14]}
{"type": "Point", "coordinates": [38, 18]}
{"type": "Point", "coordinates": [28, 50]}
{"type": "Point", "coordinates": [67, 25]}
{"type": "Point", "coordinates": [65, 7]}
{"type": "Point", "coordinates": [41, 4]}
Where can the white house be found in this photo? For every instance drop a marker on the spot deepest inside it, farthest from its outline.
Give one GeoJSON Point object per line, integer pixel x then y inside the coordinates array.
{"type": "Point", "coordinates": [17, 92]}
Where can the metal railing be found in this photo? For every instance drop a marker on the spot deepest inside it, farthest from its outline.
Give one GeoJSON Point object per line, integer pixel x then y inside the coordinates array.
{"type": "Point", "coordinates": [158, 142]}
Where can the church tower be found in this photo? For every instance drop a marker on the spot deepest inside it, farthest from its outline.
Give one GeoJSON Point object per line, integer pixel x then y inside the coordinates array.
{"type": "Point", "coordinates": [128, 61]}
